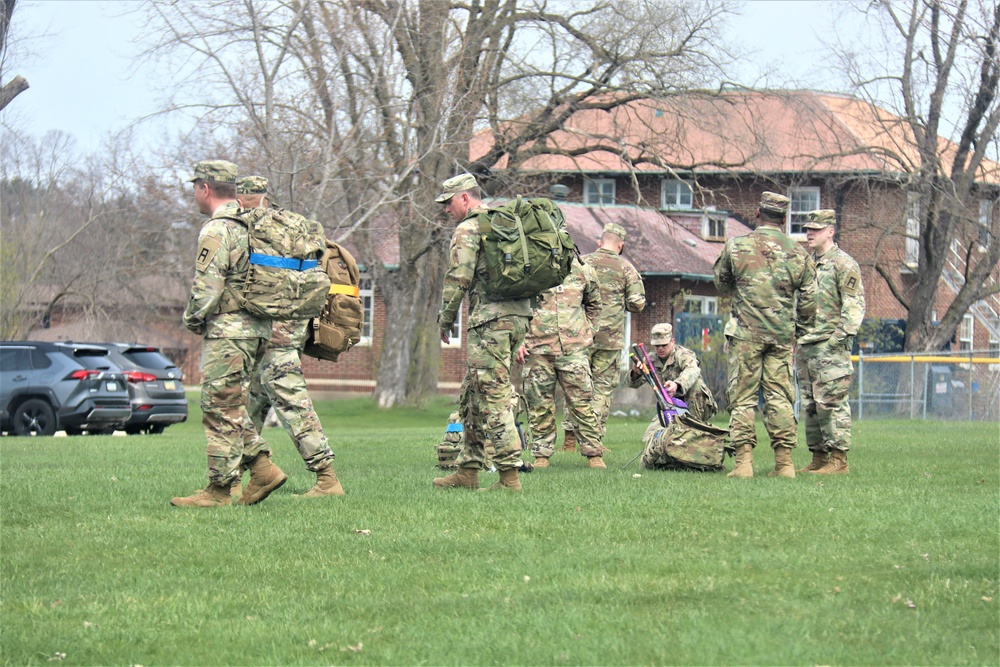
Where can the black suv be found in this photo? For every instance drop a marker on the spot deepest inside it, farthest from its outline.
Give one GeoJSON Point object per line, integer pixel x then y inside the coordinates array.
{"type": "Point", "coordinates": [154, 385]}
{"type": "Point", "coordinates": [45, 387]}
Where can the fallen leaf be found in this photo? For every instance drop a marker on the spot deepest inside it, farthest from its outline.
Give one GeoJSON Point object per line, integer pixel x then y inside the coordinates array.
{"type": "Point", "coordinates": [312, 643]}
{"type": "Point", "coordinates": [88, 624]}
{"type": "Point", "coordinates": [636, 476]}
{"type": "Point", "coordinates": [55, 603]}
{"type": "Point", "coordinates": [836, 589]}
{"type": "Point", "coordinates": [911, 604]}
{"type": "Point", "coordinates": [362, 531]}
{"type": "Point", "coordinates": [353, 649]}
{"type": "Point", "coordinates": [896, 598]}
{"type": "Point", "coordinates": [927, 557]}
{"type": "Point", "coordinates": [527, 578]}
{"type": "Point", "coordinates": [986, 599]}
{"type": "Point", "coordinates": [57, 656]}
{"type": "Point", "coordinates": [927, 475]}
{"type": "Point", "coordinates": [898, 567]}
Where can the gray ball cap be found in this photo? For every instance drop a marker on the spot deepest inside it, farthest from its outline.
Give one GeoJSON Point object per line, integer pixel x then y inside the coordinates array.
{"type": "Point", "coordinates": [454, 185]}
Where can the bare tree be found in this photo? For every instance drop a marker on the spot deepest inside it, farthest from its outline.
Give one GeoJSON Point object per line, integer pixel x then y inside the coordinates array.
{"type": "Point", "coordinates": [359, 109]}
{"type": "Point", "coordinates": [18, 84]}
{"type": "Point", "coordinates": [937, 69]}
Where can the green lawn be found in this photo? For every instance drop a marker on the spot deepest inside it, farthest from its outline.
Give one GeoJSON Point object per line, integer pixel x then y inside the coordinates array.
{"type": "Point", "coordinates": [896, 563]}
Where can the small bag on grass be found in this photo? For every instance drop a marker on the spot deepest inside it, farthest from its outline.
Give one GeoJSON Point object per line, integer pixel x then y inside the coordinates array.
{"type": "Point", "coordinates": [686, 444]}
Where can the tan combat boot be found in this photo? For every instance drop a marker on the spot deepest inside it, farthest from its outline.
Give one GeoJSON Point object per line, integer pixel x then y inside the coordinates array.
{"type": "Point", "coordinates": [212, 495]}
{"type": "Point", "coordinates": [818, 461]}
{"type": "Point", "coordinates": [508, 482]}
{"type": "Point", "coordinates": [327, 484]}
{"type": "Point", "coordinates": [265, 477]}
{"type": "Point", "coordinates": [783, 466]}
{"type": "Point", "coordinates": [744, 462]}
{"type": "Point", "coordinates": [837, 465]}
{"type": "Point", "coordinates": [465, 478]}
{"type": "Point", "coordinates": [236, 490]}
{"type": "Point", "coordinates": [596, 462]}
{"type": "Point", "coordinates": [541, 462]}
{"type": "Point", "coordinates": [569, 442]}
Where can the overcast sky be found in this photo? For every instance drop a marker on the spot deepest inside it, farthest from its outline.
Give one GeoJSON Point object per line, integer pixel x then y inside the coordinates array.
{"type": "Point", "coordinates": [79, 58]}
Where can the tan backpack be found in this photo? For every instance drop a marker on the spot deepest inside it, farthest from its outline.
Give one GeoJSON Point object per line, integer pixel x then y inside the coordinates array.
{"type": "Point", "coordinates": [338, 328]}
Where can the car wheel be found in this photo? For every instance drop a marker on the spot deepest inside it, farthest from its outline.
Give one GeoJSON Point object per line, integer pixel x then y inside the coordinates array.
{"type": "Point", "coordinates": [133, 430]}
{"type": "Point", "coordinates": [156, 429]}
{"type": "Point", "coordinates": [34, 417]}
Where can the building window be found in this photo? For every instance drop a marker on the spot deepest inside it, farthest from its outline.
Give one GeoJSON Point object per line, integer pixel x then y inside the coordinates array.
{"type": "Point", "coordinates": [366, 290]}
{"type": "Point", "coordinates": [675, 194]}
{"type": "Point", "coordinates": [802, 201]}
{"type": "Point", "coordinates": [912, 256]}
{"type": "Point", "coordinates": [965, 333]}
{"type": "Point", "coordinates": [713, 228]}
{"type": "Point", "coordinates": [703, 305]}
{"type": "Point", "coordinates": [599, 191]}
{"type": "Point", "coordinates": [994, 351]}
{"type": "Point", "coordinates": [455, 336]}
{"type": "Point", "coordinates": [985, 222]}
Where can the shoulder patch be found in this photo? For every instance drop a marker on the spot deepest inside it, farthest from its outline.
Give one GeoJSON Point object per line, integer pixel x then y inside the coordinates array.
{"type": "Point", "coordinates": [206, 252]}
{"type": "Point", "coordinates": [852, 283]}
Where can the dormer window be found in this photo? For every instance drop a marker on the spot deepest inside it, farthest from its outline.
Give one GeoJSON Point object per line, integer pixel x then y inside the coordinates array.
{"type": "Point", "coordinates": [599, 191]}
{"type": "Point", "coordinates": [675, 194]}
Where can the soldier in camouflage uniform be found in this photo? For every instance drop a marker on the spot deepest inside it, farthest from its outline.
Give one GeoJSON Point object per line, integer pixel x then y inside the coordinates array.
{"type": "Point", "coordinates": [562, 328]}
{"type": "Point", "coordinates": [681, 376]}
{"type": "Point", "coordinates": [281, 383]}
{"type": "Point", "coordinates": [772, 282]}
{"type": "Point", "coordinates": [621, 290]}
{"type": "Point", "coordinates": [496, 330]}
{"type": "Point", "coordinates": [823, 358]}
{"type": "Point", "coordinates": [232, 345]}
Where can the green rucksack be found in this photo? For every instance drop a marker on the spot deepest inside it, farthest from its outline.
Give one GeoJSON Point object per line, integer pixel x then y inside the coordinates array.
{"type": "Point", "coordinates": [527, 248]}
{"type": "Point", "coordinates": [285, 281]}
{"type": "Point", "coordinates": [686, 444]}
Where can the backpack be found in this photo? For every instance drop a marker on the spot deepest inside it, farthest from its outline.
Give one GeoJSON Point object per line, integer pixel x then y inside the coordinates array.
{"type": "Point", "coordinates": [527, 248]}
{"type": "Point", "coordinates": [338, 327]}
{"type": "Point", "coordinates": [686, 443]}
{"type": "Point", "coordinates": [285, 281]}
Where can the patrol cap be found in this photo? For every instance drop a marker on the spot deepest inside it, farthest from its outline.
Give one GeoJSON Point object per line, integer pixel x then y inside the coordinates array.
{"type": "Point", "coordinates": [661, 334]}
{"type": "Point", "coordinates": [617, 230]}
{"type": "Point", "coordinates": [214, 170]}
{"type": "Point", "coordinates": [820, 219]}
{"type": "Point", "coordinates": [454, 185]}
{"type": "Point", "coordinates": [774, 203]}
{"type": "Point", "coordinates": [252, 185]}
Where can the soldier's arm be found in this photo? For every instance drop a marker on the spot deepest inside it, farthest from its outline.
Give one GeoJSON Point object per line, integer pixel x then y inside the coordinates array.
{"type": "Point", "coordinates": [635, 291]}
{"type": "Point", "coordinates": [591, 296]}
{"type": "Point", "coordinates": [690, 371]}
{"type": "Point", "coordinates": [723, 272]}
{"type": "Point", "coordinates": [805, 303]}
{"type": "Point", "coordinates": [461, 269]}
{"type": "Point", "coordinates": [211, 268]}
{"type": "Point", "coordinates": [852, 303]}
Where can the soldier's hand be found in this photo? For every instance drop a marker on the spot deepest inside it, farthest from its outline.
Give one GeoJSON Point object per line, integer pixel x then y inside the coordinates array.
{"type": "Point", "coordinates": [671, 388]}
{"type": "Point", "coordinates": [521, 354]}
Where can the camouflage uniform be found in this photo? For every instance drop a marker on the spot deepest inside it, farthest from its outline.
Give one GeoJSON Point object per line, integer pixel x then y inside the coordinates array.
{"type": "Point", "coordinates": [280, 383]}
{"type": "Point", "coordinates": [233, 343]}
{"type": "Point", "coordinates": [681, 367]}
{"type": "Point", "coordinates": [496, 330]}
{"type": "Point", "coordinates": [823, 358]}
{"type": "Point", "coordinates": [769, 275]}
{"type": "Point", "coordinates": [562, 328]}
{"type": "Point", "coordinates": [621, 290]}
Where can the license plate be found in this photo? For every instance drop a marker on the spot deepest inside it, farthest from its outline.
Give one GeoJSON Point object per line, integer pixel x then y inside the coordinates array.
{"type": "Point", "coordinates": [112, 386]}
{"type": "Point", "coordinates": [169, 385]}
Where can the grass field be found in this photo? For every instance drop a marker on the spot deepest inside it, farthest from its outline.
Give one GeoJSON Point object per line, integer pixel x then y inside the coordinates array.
{"type": "Point", "coordinates": [896, 563]}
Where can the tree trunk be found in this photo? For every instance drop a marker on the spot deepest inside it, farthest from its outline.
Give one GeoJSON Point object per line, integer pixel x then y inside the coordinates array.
{"type": "Point", "coordinates": [12, 89]}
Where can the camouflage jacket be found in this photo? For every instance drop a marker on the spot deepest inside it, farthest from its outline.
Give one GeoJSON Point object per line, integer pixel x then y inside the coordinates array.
{"type": "Point", "coordinates": [680, 367]}
{"type": "Point", "coordinates": [467, 273]}
{"type": "Point", "coordinates": [289, 333]}
{"type": "Point", "coordinates": [772, 281]}
{"type": "Point", "coordinates": [621, 289]}
{"type": "Point", "coordinates": [840, 298]}
{"type": "Point", "coordinates": [565, 318]}
{"type": "Point", "coordinates": [221, 268]}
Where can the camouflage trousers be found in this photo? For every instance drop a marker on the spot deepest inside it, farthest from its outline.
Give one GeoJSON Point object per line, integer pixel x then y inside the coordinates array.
{"type": "Point", "coordinates": [572, 371]}
{"type": "Point", "coordinates": [487, 398]}
{"type": "Point", "coordinates": [227, 367]}
{"type": "Point", "coordinates": [825, 380]}
{"type": "Point", "coordinates": [767, 368]}
{"type": "Point", "coordinates": [606, 373]}
{"type": "Point", "coordinates": [279, 383]}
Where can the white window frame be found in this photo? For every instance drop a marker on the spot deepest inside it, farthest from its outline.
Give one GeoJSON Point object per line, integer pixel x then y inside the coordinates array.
{"type": "Point", "coordinates": [628, 340]}
{"type": "Point", "coordinates": [707, 222]}
{"type": "Point", "coordinates": [985, 223]}
{"type": "Point", "coordinates": [967, 334]}
{"type": "Point", "coordinates": [670, 189]}
{"type": "Point", "coordinates": [994, 352]}
{"type": "Point", "coordinates": [708, 305]}
{"type": "Point", "coordinates": [366, 290]}
{"type": "Point", "coordinates": [594, 191]}
{"type": "Point", "coordinates": [455, 337]}
{"type": "Point", "coordinates": [911, 252]}
{"type": "Point", "coordinates": [797, 209]}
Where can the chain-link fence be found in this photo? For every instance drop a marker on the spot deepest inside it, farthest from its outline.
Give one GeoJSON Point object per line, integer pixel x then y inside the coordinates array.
{"type": "Point", "coordinates": [962, 386]}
